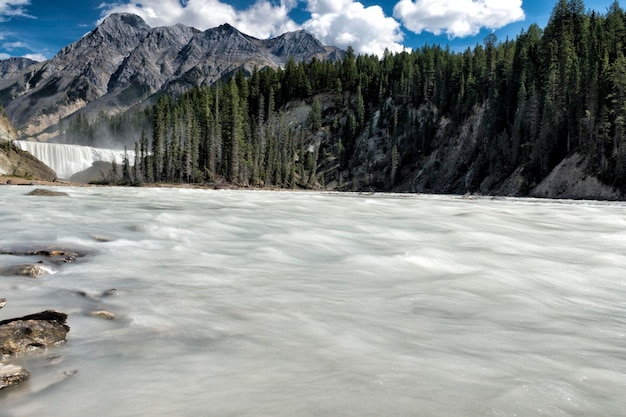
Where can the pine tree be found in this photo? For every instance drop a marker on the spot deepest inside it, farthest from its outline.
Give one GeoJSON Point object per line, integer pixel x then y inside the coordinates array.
{"type": "Point", "coordinates": [113, 172]}
{"type": "Point", "coordinates": [236, 133]}
{"type": "Point", "coordinates": [360, 108]}
{"type": "Point", "coordinates": [125, 167]}
{"type": "Point", "coordinates": [515, 105]}
{"type": "Point", "coordinates": [159, 131]}
{"type": "Point", "coordinates": [395, 163]}
{"type": "Point", "coordinates": [137, 165]}
{"type": "Point", "coordinates": [315, 116]}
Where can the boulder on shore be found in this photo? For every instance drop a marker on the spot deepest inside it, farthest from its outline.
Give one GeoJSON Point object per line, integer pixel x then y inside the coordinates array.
{"type": "Point", "coordinates": [35, 331]}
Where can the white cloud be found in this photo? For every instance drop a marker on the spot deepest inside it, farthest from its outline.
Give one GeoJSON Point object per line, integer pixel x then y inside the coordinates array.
{"type": "Point", "coordinates": [263, 19]}
{"type": "Point", "coordinates": [13, 45]}
{"type": "Point", "coordinates": [36, 57]}
{"type": "Point", "coordinates": [12, 8]}
{"type": "Point", "coordinates": [457, 18]}
{"type": "Point", "coordinates": [4, 56]}
{"type": "Point", "coordinates": [346, 22]}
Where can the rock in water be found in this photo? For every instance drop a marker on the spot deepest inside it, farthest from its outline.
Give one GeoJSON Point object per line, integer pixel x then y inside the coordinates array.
{"type": "Point", "coordinates": [54, 254]}
{"type": "Point", "coordinates": [27, 270]}
{"type": "Point", "coordinates": [35, 331]}
{"type": "Point", "coordinates": [3, 302]}
{"type": "Point", "coordinates": [48, 193]}
{"type": "Point", "coordinates": [11, 375]}
{"type": "Point", "coordinates": [102, 238]}
{"type": "Point", "coordinates": [103, 314]}
{"type": "Point", "coordinates": [109, 293]}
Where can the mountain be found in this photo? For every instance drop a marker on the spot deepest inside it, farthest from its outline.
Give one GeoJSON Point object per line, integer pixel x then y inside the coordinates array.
{"type": "Point", "coordinates": [523, 117]}
{"type": "Point", "coordinates": [9, 67]}
{"type": "Point", "coordinates": [124, 62]}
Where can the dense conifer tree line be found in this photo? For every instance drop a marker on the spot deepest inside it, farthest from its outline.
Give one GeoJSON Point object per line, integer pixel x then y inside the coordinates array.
{"type": "Point", "coordinates": [535, 100]}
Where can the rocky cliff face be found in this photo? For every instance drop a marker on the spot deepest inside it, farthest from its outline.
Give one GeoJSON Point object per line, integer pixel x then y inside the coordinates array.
{"type": "Point", "coordinates": [7, 132]}
{"type": "Point", "coordinates": [123, 62]}
{"type": "Point", "coordinates": [15, 162]}
{"type": "Point", "coordinates": [18, 163]}
{"type": "Point", "coordinates": [452, 166]}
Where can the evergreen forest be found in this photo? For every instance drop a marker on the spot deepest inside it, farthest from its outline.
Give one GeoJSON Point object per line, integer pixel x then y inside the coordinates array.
{"type": "Point", "coordinates": [430, 119]}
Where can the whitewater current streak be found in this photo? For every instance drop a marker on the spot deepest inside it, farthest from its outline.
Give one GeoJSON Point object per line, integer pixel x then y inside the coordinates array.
{"type": "Point", "coordinates": [263, 303]}
{"type": "Point", "coordinates": [67, 160]}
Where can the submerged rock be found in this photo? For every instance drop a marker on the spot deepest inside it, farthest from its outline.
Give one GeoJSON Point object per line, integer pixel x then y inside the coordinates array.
{"type": "Point", "coordinates": [55, 254]}
{"type": "Point", "coordinates": [27, 270]}
{"type": "Point", "coordinates": [107, 315]}
{"type": "Point", "coordinates": [102, 239]}
{"type": "Point", "coordinates": [35, 331]}
{"type": "Point", "coordinates": [90, 296]}
{"type": "Point", "coordinates": [46, 382]}
{"type": "Point", "coordinates": [48, 193]}
{"type": "Point", "coordinates": [110, 293]}
{"type": "Point", "coordinates": [11, 375]}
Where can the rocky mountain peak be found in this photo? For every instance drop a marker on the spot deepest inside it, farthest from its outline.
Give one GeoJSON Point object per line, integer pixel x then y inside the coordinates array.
{"type": "Point", "coordinates": [123, 63]}
{"type": "Point", "coordinates": [121, 31]}
{"type": "Point", "coordinates": [300, 35]}
{"type": "Point", "coordinates": [225, 32]}
{"type": "Point", "coordinates": [301, 39]}
{"type": "Point", "coordinates": [300, 45]}
{"type": "Point", "coordinates": [9, 67]}
{"type": "Point", "coordinates": [226, 27]}
{"type": "Point", "coordinates": [121, 22]}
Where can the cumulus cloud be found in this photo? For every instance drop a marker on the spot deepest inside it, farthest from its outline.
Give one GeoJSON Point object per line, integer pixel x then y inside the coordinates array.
{"type": "Point", "coordinates": [13, 8]}
{"type": "Point", "coordinates": [347, 22]}
{"type": "Point", "coordinates": [457, 18]}
{"type": "Point", "coordinates": [9, 46]}
{"type": "Point", "coordinates": [263, 19]}
{"type": "Point", "coordinates": [36, 57]}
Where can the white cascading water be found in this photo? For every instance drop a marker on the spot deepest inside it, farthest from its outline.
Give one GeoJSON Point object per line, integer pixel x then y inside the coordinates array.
{"type": "Point", "coordinates": [67, 160]}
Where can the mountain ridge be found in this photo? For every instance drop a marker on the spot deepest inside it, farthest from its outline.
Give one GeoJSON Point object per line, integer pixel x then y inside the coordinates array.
{"type": "Point", "coordinates": [123, 62]}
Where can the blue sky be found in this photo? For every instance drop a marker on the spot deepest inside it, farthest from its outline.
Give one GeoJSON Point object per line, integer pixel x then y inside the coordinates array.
{"type": "Point", "coordinates": [40, 28]}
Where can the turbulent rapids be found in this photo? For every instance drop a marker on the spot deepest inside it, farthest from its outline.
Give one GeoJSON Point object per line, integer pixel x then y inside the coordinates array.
{"type": "Point", "coordinates": [282, 304]}
{"type": "Point", "coordinates": [67, 160]}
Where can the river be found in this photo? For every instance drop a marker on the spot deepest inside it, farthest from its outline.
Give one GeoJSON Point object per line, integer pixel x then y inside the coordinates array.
{"type": "Point", "coordinates": [260, 303]}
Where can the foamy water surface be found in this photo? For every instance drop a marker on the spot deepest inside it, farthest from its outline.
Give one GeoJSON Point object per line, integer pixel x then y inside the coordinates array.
{"type": "Point", "coordinates": [255, 303]}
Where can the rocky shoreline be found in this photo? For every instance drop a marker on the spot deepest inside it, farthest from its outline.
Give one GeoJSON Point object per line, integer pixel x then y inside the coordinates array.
{"type": "Point", "coordinates": [218, 185]}
{"type": "Point", "coordinates": [14, 180]}
{"type": "Point", "coordinates": [570, 184]}
{"type": "Point", "coordinates": [25, 334]}
{"type": "Point", "coordinates": [33, 332]}
{"type": "Point", "coordinates": [40, 331]}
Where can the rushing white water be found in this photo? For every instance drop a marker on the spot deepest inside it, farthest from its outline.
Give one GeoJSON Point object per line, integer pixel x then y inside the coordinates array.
{"type": "Point", "coordinates": [67, 160]}
{"type": "Point", "coordinates": [250, 303]}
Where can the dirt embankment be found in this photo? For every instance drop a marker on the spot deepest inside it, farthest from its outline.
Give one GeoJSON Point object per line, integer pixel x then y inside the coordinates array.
{"type": "Point", "coordinates": [17, 163]}
{"type": "Point", "coordinates": [571, 180]}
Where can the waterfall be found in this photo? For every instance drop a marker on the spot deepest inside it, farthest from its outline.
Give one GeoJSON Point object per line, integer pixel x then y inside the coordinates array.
{"type": "Point", "coordinates": [67, 160]}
